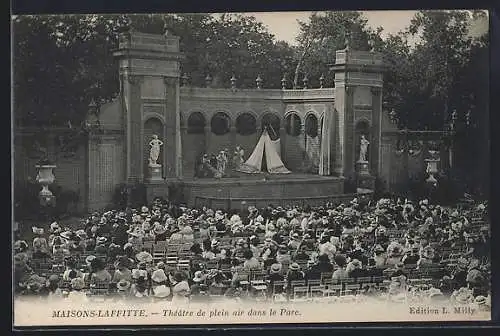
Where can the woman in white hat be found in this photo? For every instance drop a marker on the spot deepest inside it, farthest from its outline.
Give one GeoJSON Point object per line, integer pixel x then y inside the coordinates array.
{"type": "Point", "coordinates": [160, 293]}
{"type": "Point", "coordinates": [123, 289]}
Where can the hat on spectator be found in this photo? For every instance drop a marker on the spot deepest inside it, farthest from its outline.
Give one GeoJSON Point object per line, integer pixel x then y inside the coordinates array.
{"type": "Point", "coordinates": [20, 259]}
{"type": "Point", "coordinates": [214, 243]}
{"type": "Point", "coordinates": [89, 259]}
{"type": "Point", "coordinates": [259, 219]}
{"type": "Point", "coordinates": [356, 263]}
{"type": "Point", "coordinates": [144, 256]}
{"type": "Point", "coordinates": [146, 226]}
{"type": "Point", "coordinates": [235, 218]}
{"type": "Point", "coordinates": [37, 230]}
{"type": "Point", "coordinates": [144, 210]}
{"type": "Point", "coordinates": [158, 228]}
{"type": "Point", "coordinates": [276, 268]}
{"type": "Point", "coordinates": [187, 230]}
{"type": "Point", "coordinates": [20, 245]}
{"type": "Point", "coordinates": [123, 285]}
{"type": "Point", "coordinates": [198, 276]}
{"type": "Point", "coordinates": [294, 267]}
{"type": "Point", "coordinates": [101, 240]}
{"type": "Point", "coordinates": [240, 241]}
{"type": "Point", "coordinates": [54, 278]}
{"type": "Point", "coordinates": [77, 283]}
{"type": "Point", "coordinates": [480, 300]}
{"type": "Point", "coordinates": [81, 234]}
{"type": "Point", "coordinates": [159, 276]}
{"type": "Point", "coordinates": [161, 291]}
{"type": "Point", "coordinates": [137, 273]}
{"type": "Point", "coordinates": [54, 227]}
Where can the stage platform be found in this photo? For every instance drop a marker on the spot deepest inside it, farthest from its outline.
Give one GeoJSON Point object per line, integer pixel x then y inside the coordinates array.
{"type": "Point", "coordinates": [254, 189]}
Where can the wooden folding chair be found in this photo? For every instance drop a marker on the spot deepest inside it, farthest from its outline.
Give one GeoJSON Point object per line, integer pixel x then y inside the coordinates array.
{"type": "Point", "coordinates": [171, 259]}
{"type": "Point", "coordinates": [299, 293]}
{"type": "Point", "coordinates": [351, 289]}
{"type": "Point", "coordinates": [327, 276]}
{"type": "Point", "coordinates": [278, 288]}
{"type": "Point", "coordinates": [99, 288]}
{"type": "Point", "coordinates": [159, 252]}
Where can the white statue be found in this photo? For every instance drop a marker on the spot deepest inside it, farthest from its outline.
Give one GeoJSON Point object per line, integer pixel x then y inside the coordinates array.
{"type": "Point", "coordinates": [155, 150]}
{"type": "Point", "coordinates": [363, 149]}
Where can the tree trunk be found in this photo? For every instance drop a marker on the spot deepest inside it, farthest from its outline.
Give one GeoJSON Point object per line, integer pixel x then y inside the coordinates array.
{"type": "Point", "coordinates": [307, 45]}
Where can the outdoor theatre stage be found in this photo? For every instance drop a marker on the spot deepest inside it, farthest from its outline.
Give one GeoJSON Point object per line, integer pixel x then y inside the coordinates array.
{"type": "Point", "coordinates": [255, 189]}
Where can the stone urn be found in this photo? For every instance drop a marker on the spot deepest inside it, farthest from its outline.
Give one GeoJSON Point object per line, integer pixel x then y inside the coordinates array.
{"type": "Point", "coordinates": [45, 177]}
{"type": "Point", "coordinates": [432, 167]}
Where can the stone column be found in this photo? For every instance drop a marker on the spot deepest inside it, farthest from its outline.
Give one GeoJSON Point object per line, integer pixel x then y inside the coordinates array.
{"type": "Point", "coordinates": [326, 142]}
{"type": "Point", "coordinates": [232, 135]}
{"type": "Point", "coordinates": [208, 134]}
{"type": "Point", "coordinates": [173, 146]}
{"type": "Point", "coordinates": [133, 127]}
{"type": "Point", "coordinates": [376, 131]}
{"type": "Point", "coordinates": [349, 139]}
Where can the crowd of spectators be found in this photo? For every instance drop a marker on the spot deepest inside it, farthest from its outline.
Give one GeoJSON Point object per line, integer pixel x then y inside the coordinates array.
{"type": "Point", "coordinates": [390, 249]}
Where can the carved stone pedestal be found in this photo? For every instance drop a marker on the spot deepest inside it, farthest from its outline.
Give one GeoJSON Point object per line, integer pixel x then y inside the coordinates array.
{"type": "Point", "coordinates": [363, 178]}
{"type": "Point", "coordinates": [155, 172]}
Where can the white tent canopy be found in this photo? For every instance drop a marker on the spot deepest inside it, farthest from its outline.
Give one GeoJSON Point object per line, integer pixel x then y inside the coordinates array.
{"type": "Point", "coordinates": [273, 161]}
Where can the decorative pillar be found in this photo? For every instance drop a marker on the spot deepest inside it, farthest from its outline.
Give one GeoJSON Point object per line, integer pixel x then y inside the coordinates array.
{"type": "Point", "coordinates": [208, 134]}
{"type": "Point", "coordinates": [376, 131]}
{"type": "Point", "coordinates": [232, 135]}
{"type": "Point", "coordinates": [173, 147]}
{"type": "Point", "coordinates": [134, 123]}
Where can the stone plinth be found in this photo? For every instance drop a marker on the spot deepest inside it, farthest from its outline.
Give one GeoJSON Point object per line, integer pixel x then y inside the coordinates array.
{"type": "Point", "coordinates": [155, 172]}
{"type": "Point", "coordinates": [362, 168]}
{"type": "Point", "coordinates": [363, 179]}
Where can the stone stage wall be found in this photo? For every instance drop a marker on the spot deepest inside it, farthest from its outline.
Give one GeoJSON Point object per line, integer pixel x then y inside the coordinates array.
{"type": "Point", "coordinates": [229, 193]}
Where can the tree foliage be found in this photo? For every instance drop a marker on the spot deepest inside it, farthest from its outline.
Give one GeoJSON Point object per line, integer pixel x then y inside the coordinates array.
{"type": "Point", "coordinates": [62, 62]}
{"type": "Point", "coordinates": [324, 34]}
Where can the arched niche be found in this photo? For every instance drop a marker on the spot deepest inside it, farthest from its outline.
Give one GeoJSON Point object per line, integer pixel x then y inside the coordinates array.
{"type": "Point", "coordinates": [311, 125]}
{"type": "Point", "coordinates": [293, 124]}
{"type": "Point", "coordinates": [220, 123]}
{"type": "Point", "coordinates": [196, 123]}
{"type": "Point", "coordinates": [272, 121]}
{"type": "Point", "coordinates": [246, 124]}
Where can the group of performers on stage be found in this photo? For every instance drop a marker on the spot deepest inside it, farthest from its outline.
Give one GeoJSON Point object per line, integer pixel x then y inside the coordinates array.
{"type": "Point", "coordinates": [219, 165]}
